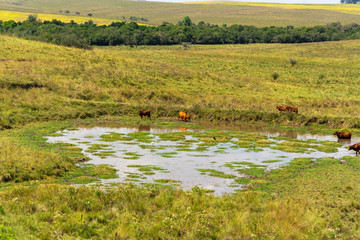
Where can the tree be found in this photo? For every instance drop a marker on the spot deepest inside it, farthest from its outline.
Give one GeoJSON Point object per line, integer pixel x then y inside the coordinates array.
{"type": "Point", "coordinates": [31, 18]}
{"type": "Point", "coordinates": [350, 1]}
{"type": "Point", "coordinates": [187, 21]}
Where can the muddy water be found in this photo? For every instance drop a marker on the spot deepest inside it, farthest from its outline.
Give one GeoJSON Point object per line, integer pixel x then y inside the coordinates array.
{"type": "Point", "coordinates": [183, 166]}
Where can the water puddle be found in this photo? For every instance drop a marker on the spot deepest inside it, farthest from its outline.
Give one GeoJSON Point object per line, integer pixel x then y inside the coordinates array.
{"type": "Point", "coordinates": [212, 159]}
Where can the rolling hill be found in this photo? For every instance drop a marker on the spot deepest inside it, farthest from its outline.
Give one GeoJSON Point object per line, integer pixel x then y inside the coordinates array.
{"type": "Point", "coordinates": [155, 13]}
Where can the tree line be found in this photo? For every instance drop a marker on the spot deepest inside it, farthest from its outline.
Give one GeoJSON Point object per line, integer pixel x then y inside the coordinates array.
{"type": "Point", "coordinates": [87, 34]}
{"type": "Point", "coordinates": [350, 1]}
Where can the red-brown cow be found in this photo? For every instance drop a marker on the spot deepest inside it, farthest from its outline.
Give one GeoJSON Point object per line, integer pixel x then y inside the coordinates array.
{"type": "Point", "coordinates": [183, 116]}
{"type": "Point", "coordinates": [281, 108]}
{"type": "Point", "coordinates": [343, 135]}
{"type": "Point", "coordinates": [355, 147]}
{"type": "Point", "coordinates": [293, 109]}
{"type": "Point", "coordinates": [288, 109]}
{"type": "Point", "coordinates": [144, 113]}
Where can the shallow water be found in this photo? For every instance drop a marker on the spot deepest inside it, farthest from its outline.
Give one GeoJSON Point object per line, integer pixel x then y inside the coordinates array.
{"type": "Point", "coordinates": [182, 166]}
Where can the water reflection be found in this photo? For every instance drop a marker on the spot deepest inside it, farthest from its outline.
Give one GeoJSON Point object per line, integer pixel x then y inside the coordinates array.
{"type": "Point", "coordinates": [144, 128]}
{"type": "Point", "coordinates": [344, 141]}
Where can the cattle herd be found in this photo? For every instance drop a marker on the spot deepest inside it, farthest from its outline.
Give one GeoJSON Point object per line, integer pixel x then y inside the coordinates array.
{"type": "Point", "coordinates": [341, 135]}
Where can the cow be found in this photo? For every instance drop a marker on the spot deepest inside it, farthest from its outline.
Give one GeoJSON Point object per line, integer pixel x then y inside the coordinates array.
{"type": "Point", "coordinates": [281, 108]}
{"type": "Point", "coordinates": [183, 116]}
{"type": "Point", "coordinates": [288, 109]}
{"type": "Point", "coordinates": [292, 109]}
{"type": "Point", "coordinates": [343, 135]}
{"type": "Point", "coordinates": [144, 113]}
{"type": "Point", "coordinates": [355, 147]}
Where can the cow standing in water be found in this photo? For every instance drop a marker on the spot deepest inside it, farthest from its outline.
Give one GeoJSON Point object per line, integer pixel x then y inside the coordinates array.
{"type": "Point", "coordinates": [183, 116]}
{"type": "Point", "coordinates": [355, 147]}
{"type": "Point", "coordinates": [144, 113]}
{"type": "Point", "coordinates": [343, 135]}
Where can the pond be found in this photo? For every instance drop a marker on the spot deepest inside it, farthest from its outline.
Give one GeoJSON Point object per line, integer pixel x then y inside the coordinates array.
{"type": "Point", "coordinates": [216, 160]}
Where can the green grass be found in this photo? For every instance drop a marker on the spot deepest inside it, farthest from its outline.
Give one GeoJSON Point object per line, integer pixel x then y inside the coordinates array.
{"type": "Point", "coordinates": [257, 14]}
{"type": "Point", "coordinates": [307, 199]}
{"type": "Point", "coordinates": [90, 85]}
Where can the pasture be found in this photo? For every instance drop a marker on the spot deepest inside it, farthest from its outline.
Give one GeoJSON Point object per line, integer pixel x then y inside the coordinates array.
{"type": "Point", "coordinates": [227, 83]}
{"type": "Point", "coordinates": [257, 14]}
{"type": "Point", "coordinates": [52, 90]}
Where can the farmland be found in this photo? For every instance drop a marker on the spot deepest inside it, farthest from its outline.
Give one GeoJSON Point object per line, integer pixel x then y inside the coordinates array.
{"type": "Point", "coordinates": [156, 13]}
{"type": "Point", "coordinates": [21, 16]}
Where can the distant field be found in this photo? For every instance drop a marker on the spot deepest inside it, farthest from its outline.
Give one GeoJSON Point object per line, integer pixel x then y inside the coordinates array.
{"type": "Point", "coordinates": [258, 14]}
{"type": "Point", "coordinates": [20, 16]}
{"type": "Point", "coordinates": [344, 8]}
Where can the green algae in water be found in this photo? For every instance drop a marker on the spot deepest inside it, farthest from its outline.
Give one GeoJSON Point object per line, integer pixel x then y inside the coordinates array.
{"type": "Point", "coordinates": [104, 154]}
{"type": "Point", "coordinates": [271, 161]}
{"type": "Point", "coordinates": [254, 150]}
{"type": "Point", "coordinates": [220, 151]}
{"type": "Point", "coordinates": [165, 181]}
{"type": "Point", "coordinates": [200, 155]}
{"type": "Point", "coordinates": [243, 144]}
{"type": "Point", "coordinates": [174, 136]}
{"type": "Point", "coordinates": [112, 137]}
{"type": "Point", "coordinates": [147, 168]}
{"type": "Point", "coordinates": [167, 154]}
{"type": "Point", "coordinates": [215, 173]}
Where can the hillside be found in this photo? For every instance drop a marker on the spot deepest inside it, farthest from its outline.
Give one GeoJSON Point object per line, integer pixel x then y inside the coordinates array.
{"type": "Point", "coordinates": [156, 13]}
{"type": "Point", "coordinates": [233, 82]}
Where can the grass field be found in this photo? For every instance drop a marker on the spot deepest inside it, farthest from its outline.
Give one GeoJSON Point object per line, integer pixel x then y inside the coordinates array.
{"type": "Point", "coordinates": [21, 16]}
{"type": "Point", "coordinates": [257, 14]}
{"type": "Point", "coordinates": [232, 82]}
{"type": "Point", "coordinates": [308, 199]}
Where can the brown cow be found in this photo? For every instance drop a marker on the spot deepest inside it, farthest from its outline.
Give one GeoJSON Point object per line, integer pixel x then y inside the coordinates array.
{"type": "Point", "coordinates": [288, 108]}
{"type": "Point", "coordinates": [355, 147]}
{"type": "Point", "coordinates": [183, 116]}
{"type": "Point", "coordinates": [144, 113]}
{"type": "Point", "coordinates": [281, 108]}
{"type": "Point", "coordinates": [293, 109]}
{"type": "Point", "coordinates": [343, 135]}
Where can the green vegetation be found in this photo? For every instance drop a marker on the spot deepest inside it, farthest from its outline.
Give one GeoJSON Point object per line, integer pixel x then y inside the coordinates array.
{"type": "Point", "coordinates": [185, 32]}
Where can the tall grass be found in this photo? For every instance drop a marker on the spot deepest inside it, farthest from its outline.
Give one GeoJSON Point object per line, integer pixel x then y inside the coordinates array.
{"type": "Point", "coordinates": [55, 211]}
{"type": "Point", "coordinates": [20, 164]}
